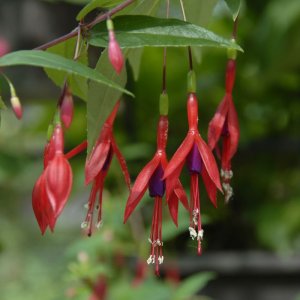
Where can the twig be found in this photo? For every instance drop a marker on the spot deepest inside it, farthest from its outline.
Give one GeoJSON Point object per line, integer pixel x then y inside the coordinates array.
{"type": "Point", "coordinates": [86, 26]}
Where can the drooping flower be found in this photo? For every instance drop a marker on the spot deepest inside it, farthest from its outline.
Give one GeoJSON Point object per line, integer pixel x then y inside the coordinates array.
{"type": "Point", "coordinates": [151, 178]}
{"type": "Point", "coordinates": [53, 187]}
{"type": "Point", "coordinates": [58, 175]}
{"type": "Point", "coordinates": [224, 126]}
{"type": "Point", "coordinates": [199, 159]}
{"type": "Point", "coordinates": [114, 51]}
{"type": "Point", "coordinates": [97, 166]}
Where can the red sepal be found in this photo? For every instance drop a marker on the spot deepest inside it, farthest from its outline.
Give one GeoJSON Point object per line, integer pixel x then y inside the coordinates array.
{"type": "Point", "coordinates": [180, 155]}
{"type": "Point", "coordinates": [234, 133]}
{"type": "Point", "coordinates": [140, 186]}
{"type": "Point", "coordinates": [58, 177]}
{"type": "Point", "coordinates": [96, 161]}
{"type": "Point", "coordinates": [210, 187]}
{"type": "Point", "coordinates": [122, 162]}
{"type": "Point", "coordinates": [216, 125]}
{"type": "Point", "coordinates": [209, 162]}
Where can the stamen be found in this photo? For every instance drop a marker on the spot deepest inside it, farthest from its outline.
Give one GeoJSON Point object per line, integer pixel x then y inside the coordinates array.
{"type": "Point", "coordinates": [84, 225]}
{"type": "Point", "coordinates": [193, 233]}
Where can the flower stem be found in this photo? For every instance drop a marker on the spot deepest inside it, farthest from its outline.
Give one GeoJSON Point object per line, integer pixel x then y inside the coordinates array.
{"type": "Point", "coordinates": [88, 26]}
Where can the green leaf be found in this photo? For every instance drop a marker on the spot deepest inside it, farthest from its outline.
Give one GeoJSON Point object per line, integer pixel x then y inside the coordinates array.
{"type": "Point", "coordinates": [2, 104]}
{"type": "Point", "coordinates": [234, 6]}
{"type": "Point", "coordinates": [102, 99]}
{"type": "Point", "coordinates": [202, 14]}
{"type": "Point", "coordinates": [43, 59]}
{"type": "Point", "coordinates": [135, 58]}
{"type": "Point", "coordinates": [77, 83]}
{"type": "Point", "coordinates": [192, 285]}
{"type": "Point", "coordinates": [141, 31]}
{"type": "Point", "coordinates": [96, 4]}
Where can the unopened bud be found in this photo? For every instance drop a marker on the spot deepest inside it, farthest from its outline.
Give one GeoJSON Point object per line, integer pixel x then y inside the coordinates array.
{"type": "Point", "coordinates": [16, 106]}
{"type": "Point", "coordinates": [67, 108]}
{"type": "Point", "coordinates": [114, 51]}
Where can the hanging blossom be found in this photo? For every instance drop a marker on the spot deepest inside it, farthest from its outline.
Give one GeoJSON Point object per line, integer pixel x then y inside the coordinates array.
{"type": "Point", "coordinates": [151, 178]}
{"type": "Point", "coordinates": [199, 159]}
{"type": "Point", "coordinates": [224, 128]}
{"type": "Point", "coordinates": [97, 166]}
{"type": "Point", "coordinates": [53, 187]}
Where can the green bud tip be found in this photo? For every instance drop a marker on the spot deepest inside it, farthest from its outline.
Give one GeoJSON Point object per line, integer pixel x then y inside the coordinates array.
{"type": "Point", "coordinates": [109, 25]}
{"type": "Point", "coordinates": [50, 131]}
{"type": "Point", "coordinates": [191, 82]}
{"type": "Point", "coordinates": [164, 104]}
{"type": "Point", "coordinates": [231, 52]}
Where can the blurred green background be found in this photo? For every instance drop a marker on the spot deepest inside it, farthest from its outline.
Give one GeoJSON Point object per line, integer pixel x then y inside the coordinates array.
{"type": "Point", "coordinates": [251, 246]}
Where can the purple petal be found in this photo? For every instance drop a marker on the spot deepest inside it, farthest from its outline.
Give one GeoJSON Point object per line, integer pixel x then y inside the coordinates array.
{"type": "Point", "coordinates": [194, 161]}
{"type": "Point", "coordinates": [156, 184]}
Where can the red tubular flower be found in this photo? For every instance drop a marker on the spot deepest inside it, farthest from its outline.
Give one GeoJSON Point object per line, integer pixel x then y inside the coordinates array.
{"type": "Point", "coordinates": [200, 161]}
{"type": "Point", "coordinates": [53, 187]}
{"type": "Point", "coordinates": [97, 166]}
{"type": "Point", "coordinates": [224, 125]}
{"type": "Point", "coordinates": [151, 177]}
{"type": "Point", "coordinates": [58, 175]}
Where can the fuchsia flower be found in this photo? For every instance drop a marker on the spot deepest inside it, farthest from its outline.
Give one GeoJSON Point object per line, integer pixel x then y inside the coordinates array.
{"type": "Point", "coordinates": [151, 178]}
{"type": "Point", "coordinates": [97, 166]}
{"type": "Point", "coordinates": [224, 125]}
{"type": "Point", "coordinates": [53, 187]}
{"type": "Point", "coordinates": [200, 161]}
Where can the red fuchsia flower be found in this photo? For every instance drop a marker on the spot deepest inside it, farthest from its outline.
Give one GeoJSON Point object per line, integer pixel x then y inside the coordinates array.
{"type": "Point", "coordinates": [151, 178]}
{"type": "Point", "coordinates": [53, 187]}
{"type": "Point", "coordinates": [97, 166]}
{"type": "Point", "coordinates": [199, 159]}
{"type": "Point", "coordinates": [224, 126]}
{"type": "Point", "coordinates": [67, 107]}
{"type": "Point", "coordinates": [114, 51]}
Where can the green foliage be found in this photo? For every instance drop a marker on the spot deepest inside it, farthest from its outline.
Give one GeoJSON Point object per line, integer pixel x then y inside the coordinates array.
{"type": "Point", "coordinates": [234, 7]}
{"type": "Point", "coordinates": [142, 31]}
{"type": "Point", "coordinates": [77, 83]}
{"type": "Point", "coordinates": [102, 99]}
{"type": "Point", "coordinates": [191, 285]}
{"type": "Point", "coordinates": [96, 4]}
{"type": "Point", "coordinates": [52, 61]}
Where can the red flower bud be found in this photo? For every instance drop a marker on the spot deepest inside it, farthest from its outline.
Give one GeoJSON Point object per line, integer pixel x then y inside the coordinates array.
{"type": "Point", "coordinates": [17, 107]}
{"type": "Point", "coordinates": [67, 107]}
{"type": "Point", "coordinates": [114, 53]}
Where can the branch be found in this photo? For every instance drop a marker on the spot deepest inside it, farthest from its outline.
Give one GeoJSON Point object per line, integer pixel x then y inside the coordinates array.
{"type": "Point", "coordinates": [88, 26]}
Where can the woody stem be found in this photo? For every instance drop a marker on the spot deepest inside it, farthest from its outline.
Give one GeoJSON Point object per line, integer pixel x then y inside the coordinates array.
{"type": "Point", "coordinates": [88, 26]}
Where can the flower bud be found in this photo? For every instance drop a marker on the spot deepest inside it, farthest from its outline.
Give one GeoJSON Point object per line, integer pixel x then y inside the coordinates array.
{"type": "Point", "coordinates": [67, 108]}
{"type": "Point", "coordinates": [17, 107]}
{"type": "Point", "coordinates": [114, 51]}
